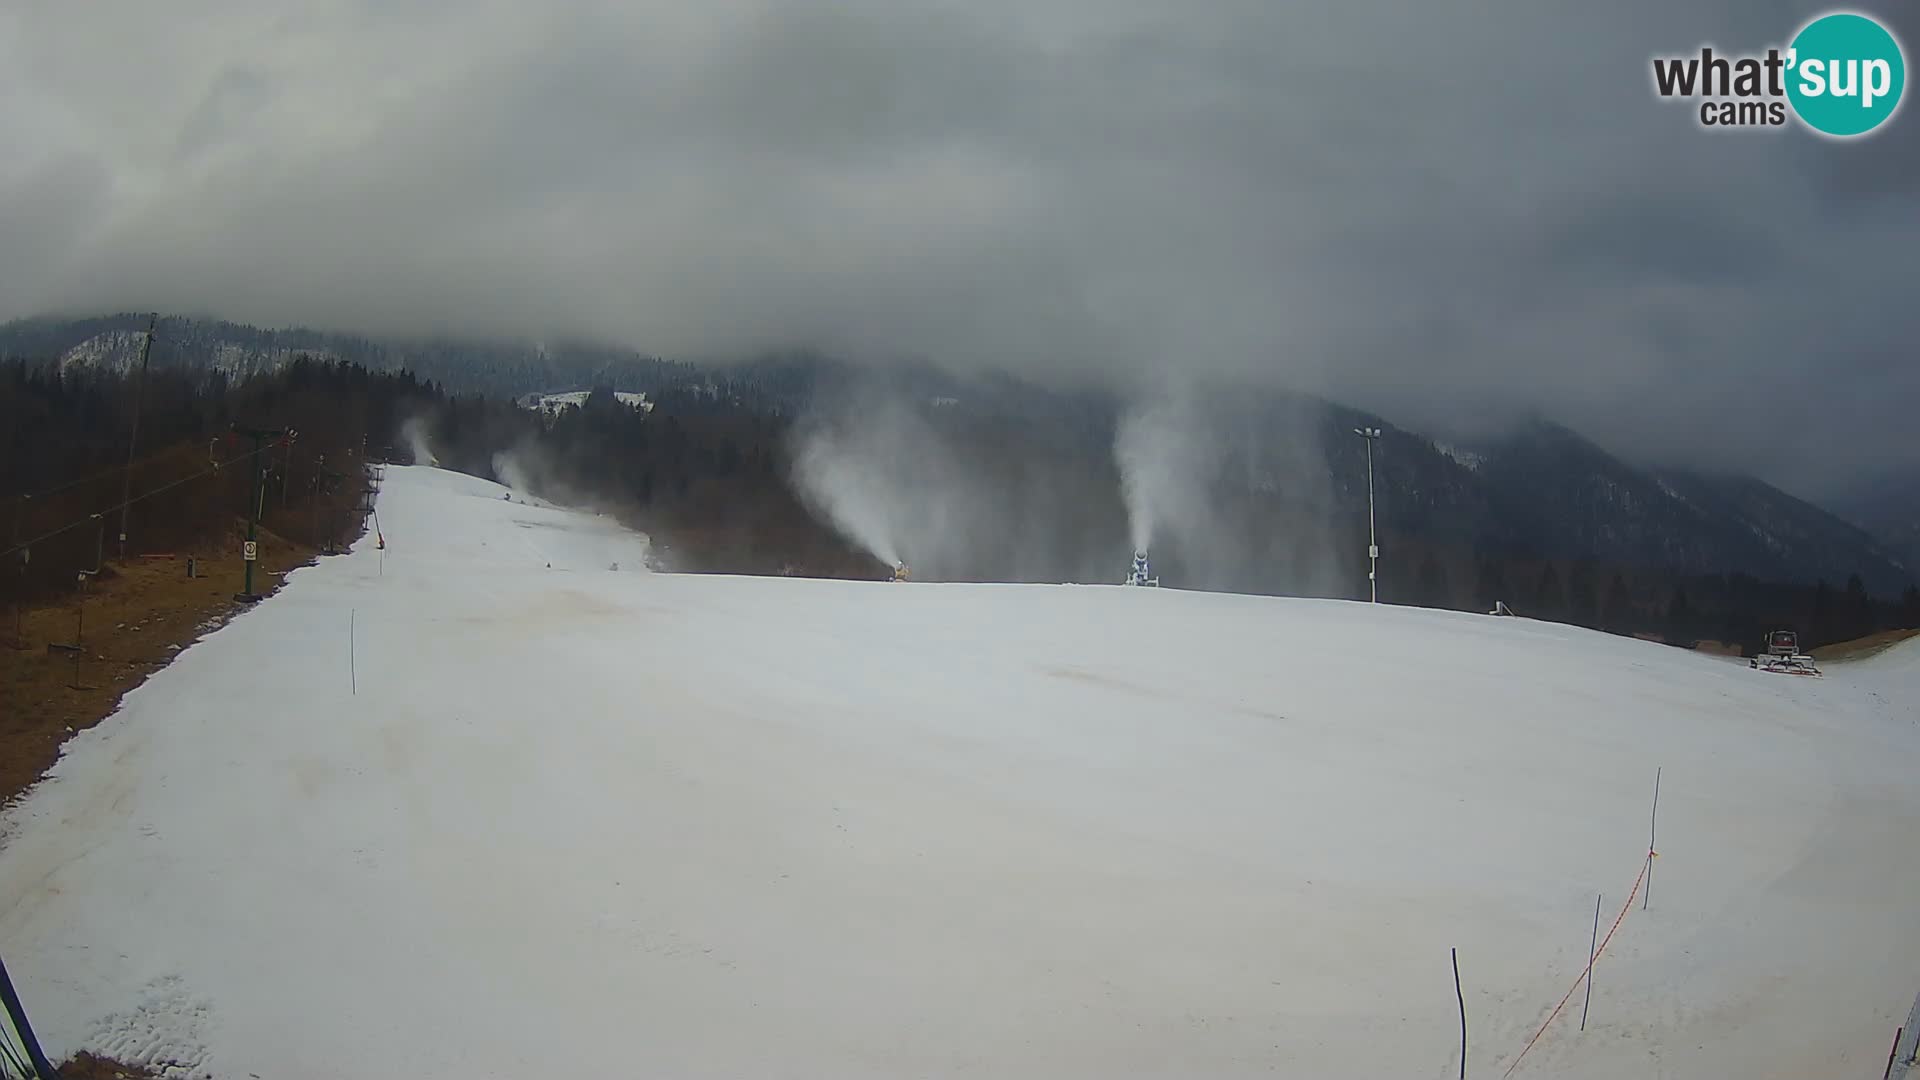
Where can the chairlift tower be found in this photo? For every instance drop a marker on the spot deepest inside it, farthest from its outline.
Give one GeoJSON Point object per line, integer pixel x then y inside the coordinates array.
{"type": "Point", "coordinates": [249, 554]}
{"type": "Point", "coordinates": [133, 438]}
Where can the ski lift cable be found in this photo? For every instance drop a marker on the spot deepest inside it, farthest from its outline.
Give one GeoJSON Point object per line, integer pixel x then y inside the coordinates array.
{"type": "Point", "coordinates": [102, 512]}
{"type": "Point", "coordinates": [21, 496]}
{"type": "Point", "coordinates": [115, 470]}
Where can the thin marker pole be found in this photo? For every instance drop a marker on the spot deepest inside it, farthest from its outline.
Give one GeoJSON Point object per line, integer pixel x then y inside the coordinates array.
{"type": "Point", "coordinates": [1462, 998]}
{"type": "Point", "coordinates": [1652, 821]}
{"type": "Point", "coordinates": [353, 673]}
{"type": "Point", "coordinates": [314, 502]}
{"type": "Point", "coordinates": [1593, 946]}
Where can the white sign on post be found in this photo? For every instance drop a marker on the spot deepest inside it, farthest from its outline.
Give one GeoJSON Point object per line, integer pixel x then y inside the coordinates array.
{"type": "Point", "coordinates": [249, 551]}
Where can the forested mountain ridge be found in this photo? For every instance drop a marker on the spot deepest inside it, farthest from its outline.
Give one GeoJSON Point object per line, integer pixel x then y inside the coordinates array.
{"type": "Point", "coordinates": [1539, 494]}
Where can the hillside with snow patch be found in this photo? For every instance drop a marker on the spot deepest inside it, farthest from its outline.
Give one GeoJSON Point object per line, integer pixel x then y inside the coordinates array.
{"type": "Point", "coordinates": [118, 352]}
{"type": "Point", "coordinates": [552, 404]}
{"type": "Point", "coordinates": [496, 800]}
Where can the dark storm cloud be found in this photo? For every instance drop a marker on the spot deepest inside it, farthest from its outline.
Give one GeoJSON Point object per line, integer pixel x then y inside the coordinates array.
{"type": "Point", "coordinates": [1456, 214]}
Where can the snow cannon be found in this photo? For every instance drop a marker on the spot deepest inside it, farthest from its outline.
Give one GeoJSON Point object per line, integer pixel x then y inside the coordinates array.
{"type": "Point", "coordinates": [900, 572]}
{"type": "Point", "coordinates": [1142, 572]}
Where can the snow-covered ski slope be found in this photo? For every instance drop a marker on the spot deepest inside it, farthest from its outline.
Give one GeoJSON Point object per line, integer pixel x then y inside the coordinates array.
{"type": "Point", "coordinates": [570, 821]}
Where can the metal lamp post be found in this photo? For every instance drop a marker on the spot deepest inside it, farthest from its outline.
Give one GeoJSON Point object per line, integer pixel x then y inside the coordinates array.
{"type": "Point", "coordinates": [1371, 434]}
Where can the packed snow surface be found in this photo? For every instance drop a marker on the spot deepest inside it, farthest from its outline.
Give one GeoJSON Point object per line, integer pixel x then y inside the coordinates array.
{"type": "Point", "coordinates": [563, 820]}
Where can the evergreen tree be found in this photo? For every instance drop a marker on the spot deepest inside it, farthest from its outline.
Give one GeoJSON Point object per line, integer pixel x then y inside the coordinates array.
{"type": "Point", "coordinates": [1430, 583]}
{"type": "Point", "coordinates": [1682, 626]}
{"type": "Point", "coordinates": [1583, 601]}
{"type": "Point", "coordinates": [1857, 613]}
{"type": "Point", "coordinates": [1549, 599]}
{"type": "Point", "coordinates": [1490, 585]}
{"type": "Point", "coordinates": [1820, 614]}
{"type": "Point", "coordinates": [1618, 615]}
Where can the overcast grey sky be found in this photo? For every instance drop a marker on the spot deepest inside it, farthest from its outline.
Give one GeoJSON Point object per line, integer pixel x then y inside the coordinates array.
{"type": "Point", "coordinates": [1450, 213]}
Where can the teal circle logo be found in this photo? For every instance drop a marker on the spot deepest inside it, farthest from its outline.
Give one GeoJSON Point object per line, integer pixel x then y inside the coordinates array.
{"type": "Point", "coordinates": [1846, 74]}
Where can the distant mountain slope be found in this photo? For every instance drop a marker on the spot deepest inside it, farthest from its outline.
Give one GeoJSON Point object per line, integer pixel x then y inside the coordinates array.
{"type": "Point", "coordinates": [1795, 535]}
{"type": "Point", "coordinates": [1553, 489]}
{"type": "Point", "coordinates": [1889, 508]}
{"type": "Point", "coordinates": [504, 370]}
{"type": "Point", "coordinates": [1540, 492]}
{"type": "Point", "coordinates": [1546, 492]}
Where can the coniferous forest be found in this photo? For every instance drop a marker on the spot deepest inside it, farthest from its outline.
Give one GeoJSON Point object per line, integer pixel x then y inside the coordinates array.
{"type": "Point", "coordinates": [706, 469]}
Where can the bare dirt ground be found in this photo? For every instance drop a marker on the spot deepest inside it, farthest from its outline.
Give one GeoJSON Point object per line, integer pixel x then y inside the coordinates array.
{"type": "Point", "coordinates": [130, 622]}
{"type": "Point", "coordinates": [89, 1067]}
{"type": "Point", "coordinates": [1717, 648]}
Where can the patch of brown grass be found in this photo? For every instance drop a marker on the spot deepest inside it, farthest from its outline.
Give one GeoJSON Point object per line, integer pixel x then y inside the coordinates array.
{"type": "Point", "coordinates": [131, 620]}
{"type": "Point", "coordinates": [1861, 648]}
